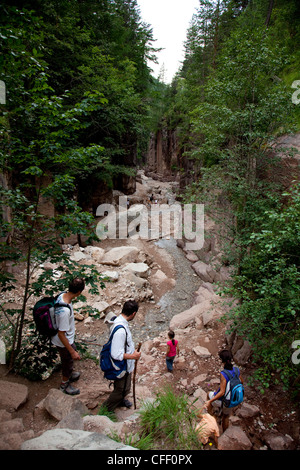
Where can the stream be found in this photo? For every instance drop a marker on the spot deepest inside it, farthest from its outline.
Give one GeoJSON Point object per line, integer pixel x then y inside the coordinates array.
{"type": "Point", "coordinates": [174, 301]}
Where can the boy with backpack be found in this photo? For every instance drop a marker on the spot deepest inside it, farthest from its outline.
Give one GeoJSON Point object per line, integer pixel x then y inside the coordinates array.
{"type": "Point", "coordinates": [231, 391]}
{"type": "Point", "coordinates": [65, 336]}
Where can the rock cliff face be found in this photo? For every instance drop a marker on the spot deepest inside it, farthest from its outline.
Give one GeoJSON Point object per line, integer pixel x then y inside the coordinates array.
{"type": "Point", "coordinates": [165, 160]}
{"type": "Point", "coordinates": [287, 149]}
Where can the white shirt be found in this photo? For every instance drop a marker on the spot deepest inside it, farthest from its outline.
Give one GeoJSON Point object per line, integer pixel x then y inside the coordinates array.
{"type": "Point", "coordinates": [64, 318]}
{"type": "Point", "coordinates": [118, 348]}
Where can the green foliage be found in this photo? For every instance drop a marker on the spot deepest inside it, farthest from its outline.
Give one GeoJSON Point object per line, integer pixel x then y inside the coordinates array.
{"type": "Point", "coordinates": [268, 286]}
{"type": "Point", "coordinates": [42, 158]}
{"type": "Point", "coordinates": [103, 411]}
{"type": "Point", "coordinates": [234, 98]}
{"type": "Point", "coordinates": [169, 422]}
{"type": "Point", "coordinates": [37, 359]}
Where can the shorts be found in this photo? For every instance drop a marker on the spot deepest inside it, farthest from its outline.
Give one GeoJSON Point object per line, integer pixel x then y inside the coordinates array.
{"type": "Point", "coordinates": [218, 404]}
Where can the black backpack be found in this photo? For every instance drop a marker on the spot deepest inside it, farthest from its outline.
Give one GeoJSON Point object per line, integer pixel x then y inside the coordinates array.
{"type": "Point", "coordinates": [44, 315]}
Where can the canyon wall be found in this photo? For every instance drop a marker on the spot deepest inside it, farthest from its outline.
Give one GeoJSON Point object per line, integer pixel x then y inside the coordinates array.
{"type": "Point", "coordinates": [166, 161]}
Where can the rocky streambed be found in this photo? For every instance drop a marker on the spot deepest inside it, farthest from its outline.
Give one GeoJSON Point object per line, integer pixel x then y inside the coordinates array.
{"type": "Point", "coordinates": [178, 299]}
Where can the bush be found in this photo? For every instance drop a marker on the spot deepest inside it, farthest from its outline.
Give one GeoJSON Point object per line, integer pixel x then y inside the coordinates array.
{"type": "Point", "coordinates": [169, 422]}
{"type": "Point", "coordinates": [37, 359]}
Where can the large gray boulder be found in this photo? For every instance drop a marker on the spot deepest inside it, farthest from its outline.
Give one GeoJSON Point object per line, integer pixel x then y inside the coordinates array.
{"type": "Point", "coordinates": [120, 255]}
{"type": "Point", "coordinates": [187, 317]}
{"type": "Point", "coordinates": [72, 439]}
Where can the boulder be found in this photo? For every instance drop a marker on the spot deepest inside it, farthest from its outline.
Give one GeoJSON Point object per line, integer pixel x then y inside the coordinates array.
{"type": "Point", "coordinates": [95, 252]}
{"type": "Point", "coordinates": [191, 256]}
{"type": "Point", "coordinates": [72, 439]}
{"type": "Point", "coordinates": [159, 277]}
{"type": "Point", "coordinates": [4, 416]}
{"type": "Point", "coordinates": [13, 441]}
{"type": "Point", "coordinates": [201, 351]}
{"type": "Point", "coordinates": [200, 378]}
{"type": "Point", "coordinates": [234, 438]}
{"type": "Point", "coordinates": [138, 269]}
{"type": "Point", "coordinates": [200, 394]}
{"type": "Point", "coordinates": [79, 256]}
{"type": "Point", "coordinates": [120, 255]}
{"type": "Point", "coordinates": [242, 355]}
{"type": "Point", "coordinates": [111, 276]}
{"type": "Point", "coordinates": [72, 421]}
{"type": "Point", "coordinates": [12, 426]}
{"type": "Point", "coordinates": [91, 394]}
{"type": "Point", "coordinates": [277, 441]}
{"type": "Point", "coordinates": [138, 281]}
{"type": "Point", "coordinates": [204, 293]}
{"type": "Point", "coordinates": [59, 405]}
{"type": "Point", "coordinates": [187, 317]}
{"type": "Point", "coordinates": [12, 395]}
{"type": "Point", "coordinates": [248, 411]}
{"type": "Point", "coordinates": [101, 424]}
{"type": "Point", "coordinates": [101, 306]}
{"type": "Point", "coordinates": [207, 317]}
{"type": "Point", "coordinates": [204, 271]}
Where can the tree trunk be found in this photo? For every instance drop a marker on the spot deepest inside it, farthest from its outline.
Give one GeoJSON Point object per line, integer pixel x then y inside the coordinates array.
{"type": "Point", "coordinates": [269, 14]}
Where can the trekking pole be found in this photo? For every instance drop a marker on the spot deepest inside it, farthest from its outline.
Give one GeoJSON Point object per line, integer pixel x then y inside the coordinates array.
{"type": "Point", "coordinates": [91, 343]}
{"type": "Point", "coordinates": [134, 374]}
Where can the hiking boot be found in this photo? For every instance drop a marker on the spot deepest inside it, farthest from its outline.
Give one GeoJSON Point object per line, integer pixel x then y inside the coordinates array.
{"type": "Point", "coordinates": [74, 376]}
{"type": "Point", "coordinates": [126, 403]}
{"type": "Point", "coordinates": [69, 389]}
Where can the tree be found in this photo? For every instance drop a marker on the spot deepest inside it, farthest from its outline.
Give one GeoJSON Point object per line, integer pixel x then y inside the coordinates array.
{"type": "Point", "coordinates": [236, 112]}
{"type": "Point", "coordinates": [268, 289]}
{"type": "Point", "coordinates": [39, 140]}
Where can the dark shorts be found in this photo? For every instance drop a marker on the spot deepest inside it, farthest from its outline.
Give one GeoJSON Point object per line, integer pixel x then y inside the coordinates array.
{"type": "Point", "coordinates": [67, 362]}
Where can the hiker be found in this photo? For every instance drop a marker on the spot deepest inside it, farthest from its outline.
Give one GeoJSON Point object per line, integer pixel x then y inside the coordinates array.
{"type": "Point", "coordinates": [215, 398]}
{"type": "Point", "coordinates": [64, 339]}
{"type": "Point", "coordinates": [122, 347]}
{"type": "Point", "coordinates": [172, 350]}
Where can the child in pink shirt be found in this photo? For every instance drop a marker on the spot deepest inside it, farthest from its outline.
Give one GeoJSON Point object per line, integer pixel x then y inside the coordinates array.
{"type": "Point", "coordinates": [172, 350]}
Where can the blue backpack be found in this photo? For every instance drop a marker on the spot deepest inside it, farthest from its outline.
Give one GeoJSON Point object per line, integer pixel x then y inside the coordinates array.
{"type": "Point", "coordinates": [234, 393]}
{"type": "Point", "coordinates": [112, 368]}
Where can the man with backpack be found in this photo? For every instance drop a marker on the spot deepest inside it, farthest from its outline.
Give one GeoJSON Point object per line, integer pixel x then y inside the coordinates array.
{"type": "Point", "coordinates": [231, 391]}
{"type": "Point", "coordinates": [64, 339]}
{"type": "Point", "coordinates": [122, 349]}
